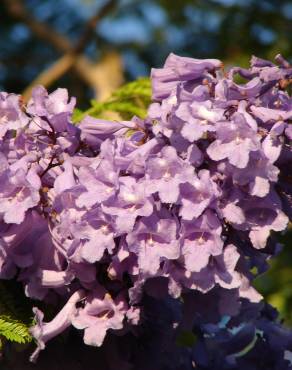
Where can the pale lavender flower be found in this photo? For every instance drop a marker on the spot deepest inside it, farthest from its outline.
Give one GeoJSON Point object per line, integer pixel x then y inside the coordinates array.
{"type": "Point", "coordinates": [177, 69]}
{"type": "Point", "coordinates": [100, 313]}
{"type": "Point", "coordinates": [44, 331]}
{"type": "Point", "coordinates": [201, 238]}
{"type": "Point", "coordinates": [196, 195]}
{"type": "Point", "coordinates": [100, 181]}
{"type": "Point", "coordinates": [20, 185]}
{"type": "Point", "coordinates": [94, 131]}
{"type": "Point", "coordinates": [130, 202]}
{"type": "Point", "coordinates": [154, 240]}
{"type": "Point", "coordinates": [199, 118]}
{"type": "Point", "coordinates": [234, 142]}
{"type": "Point", "coordinates": [50, 105]}
{"type": "Point", "coordinates": [165, 172]}
{"type": "Point", "coordinates": [11, 115]}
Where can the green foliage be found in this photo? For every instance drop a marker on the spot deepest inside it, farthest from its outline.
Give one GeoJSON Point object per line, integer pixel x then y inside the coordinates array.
{"type": "Point", "coordinates": [15, 313]}
{"type": "Point", "coordinates": [275, 284]}
{"type": "Point", "coordinates": [13, 330]}
{"type": "Point", "coordinates": [130, 100]}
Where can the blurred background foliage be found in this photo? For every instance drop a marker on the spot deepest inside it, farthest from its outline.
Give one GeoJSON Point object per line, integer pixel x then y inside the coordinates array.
{"type": "Point", "coordinates": [92, 46]}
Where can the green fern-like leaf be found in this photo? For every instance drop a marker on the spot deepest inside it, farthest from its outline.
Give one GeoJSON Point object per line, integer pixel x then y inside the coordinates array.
{"type": "Point", "coordinates": [130, 100]}
{"type": "Point", "coordinates": [13, 330]}
{"type": "Point", "coordinates": [15, 313]}
{"type": "Point", "coordinates": [77, 115]}
{"type": "Point", "coordinates": [140, 88]}
{"type": "Point", "coordinates": [127, 109]}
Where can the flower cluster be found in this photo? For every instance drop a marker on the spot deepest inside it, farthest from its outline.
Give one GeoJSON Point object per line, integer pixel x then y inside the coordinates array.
{"type": "Point", "coordinates": [182, 204]}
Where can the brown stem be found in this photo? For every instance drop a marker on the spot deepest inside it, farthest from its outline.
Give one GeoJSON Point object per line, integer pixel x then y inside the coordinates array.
{"type": "Point", "coordinates": [73, 57]}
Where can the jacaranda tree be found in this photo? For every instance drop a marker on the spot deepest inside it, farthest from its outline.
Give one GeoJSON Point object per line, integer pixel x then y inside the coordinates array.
{"type": "Point", "coordinates": [151, 228]}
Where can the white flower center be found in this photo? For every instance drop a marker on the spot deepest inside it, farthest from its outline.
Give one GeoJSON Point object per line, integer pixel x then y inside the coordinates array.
{"type": "Point", "coordinates": [133, 208]}
{"type": "Point", "coordinates": [206, 114]}
{"type": "Point", "coordinates": [111, 175]}
{"type": "Point", "coordinates": [172, 100]}
{"type": "Point", "coordinates": [130, 197]}
{"type": "Point", "coordinates": [104, 229]}
{"type": "Point", "coordinates": [201, 239]}
{"type": "Point", "coordinates": [162, 162]}
{"type": "Point", "coordinates": [166, 175]}
{"type": "Point", "coordinates": [109, 190]}
{"type": "Point", "coordinates": [197, 184]}
{"type": "Point", "coordinates": [238, 140]}
{"type": "Point", "coordinates": [150, 240]}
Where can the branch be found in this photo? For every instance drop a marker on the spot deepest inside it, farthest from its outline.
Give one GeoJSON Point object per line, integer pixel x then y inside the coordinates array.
{"type": "Point", "coordinates": [104, 77]}
{"type": "Point", "coordinates": [43, 31]}
{"type": "Point", "coordinates": [89, 30]}
{"type": "Point", "coordinates": [72, 56]}
{"type": "Point", "coordinates": [49, 76]}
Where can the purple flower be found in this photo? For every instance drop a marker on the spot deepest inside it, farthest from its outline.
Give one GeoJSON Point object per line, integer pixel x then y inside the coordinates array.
{"type": "Point", "coordinates": [11, 115]}
{"type": "Point", "coordinates": [234, 142]}
{"type": "Point", "coordinates": [258, 174]}
{"type": "Point", "coordinates": [154, 240]}
{"type": "Point", "coordinates": [200, 240]}
{"type": "Point", "coordinates": [94, 131]}
{"type": "Point", "coordinates": [273, 143]}
{"type": "Point", "coordinates": [177, 69]}
{"type": "Point", "coordinates": [66, 180]}
{"type": "Point", "coordinates": [219, 270]}
{"type": "Point", "coordinates": [19, 192]}
{"type": "Point", "coordinates": [165, 172]}
{"type": "Point", "coordinates": [100, 181]}
{"type": "Point", "coordinates": [50, 105]}
{"type": "Point", "coordinates": [100, 313]}
{"type": "Point", "coordinates": [43, 332]}
{"type": "Point", "coordinates": [197, 195]}
{"type": "Point", "coordinates": [160, 212]}
{"type": "Point", "coordinates": [199, 118]}
{"type": "Point", "coordinates": [50, 128]}
{"type": "Point", "coordinates": [96, 232]}
{"type": "Point", "coordinates": [227, 89]}
{"type": "Point", "coordinates": [258, 216]}
{"type": "Point", "coordinates": [268, 114]}
{"type": "Point", "coordinates": [131, 157]}
{"type": "Point", "coordinates": [123, 262]}
{"type": "Point", "coordinates": [130, 202]}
